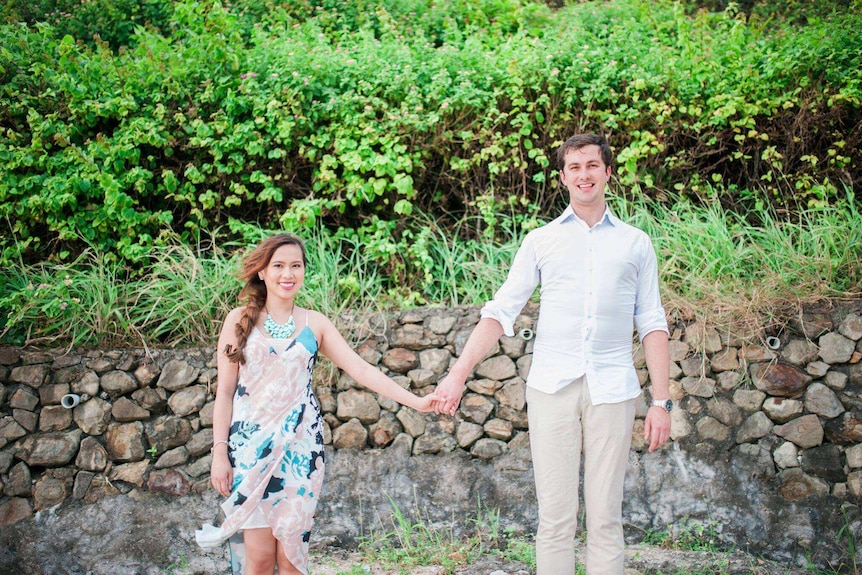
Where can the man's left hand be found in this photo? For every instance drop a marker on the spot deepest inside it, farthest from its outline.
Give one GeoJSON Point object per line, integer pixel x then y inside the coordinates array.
{"type": "Point", "coordinates": [657, 427]}
{"type": "Point", "coordinates": [450, 389]}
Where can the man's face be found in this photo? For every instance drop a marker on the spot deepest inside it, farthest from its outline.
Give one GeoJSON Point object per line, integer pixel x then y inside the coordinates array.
{"type": "Point", "coordinates": [585, 175]}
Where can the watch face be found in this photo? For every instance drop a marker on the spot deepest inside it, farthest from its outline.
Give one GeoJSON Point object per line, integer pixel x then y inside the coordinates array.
{"type": "Point", "coordinates": [668, 405]}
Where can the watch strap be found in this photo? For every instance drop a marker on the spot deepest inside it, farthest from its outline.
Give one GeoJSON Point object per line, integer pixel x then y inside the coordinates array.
{"type": "Point", "coordinates": [666, 404]}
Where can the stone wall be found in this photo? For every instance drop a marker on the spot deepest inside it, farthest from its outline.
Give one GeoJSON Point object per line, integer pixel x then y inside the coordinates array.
{"type": "Point", "coordinates": [766, 437]}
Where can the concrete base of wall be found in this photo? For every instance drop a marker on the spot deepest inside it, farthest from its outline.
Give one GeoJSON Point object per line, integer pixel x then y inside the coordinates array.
{"type": "Point", "coordinates": [144, 533]}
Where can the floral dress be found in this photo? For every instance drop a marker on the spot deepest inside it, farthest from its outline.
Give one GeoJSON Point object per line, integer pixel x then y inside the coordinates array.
{"type": "Point", "coordinates": [276, 448]}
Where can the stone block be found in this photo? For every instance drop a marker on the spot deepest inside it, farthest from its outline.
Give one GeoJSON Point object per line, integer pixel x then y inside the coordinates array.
{"type": "Point", "coordinates": [351, 435]}
{"type": "Point", "coordinates": [779, 379]}
{"type": "Point", "coordinates": [822, 401]}
{"type": "Point", "coordinates": [487, 448]}
{"type": "Point", "coordinates": [436, 360]}
{"type": "Point", "coordinates": [177, 374]}
{"type": "Point", "coordinates": [499, 368]}
{"type": "Point", "coordinates": [188, 400]}
{"type": "Point", "coordinates": [13, 510]}
{"type": "Point", "coordinates": [835, 348]}
{"type": "Point", "coordinates": [54, 418]}
{"type": "Point", "coordinates": [468, 433]}
{"type": "Point", "coordinates": [400, 360]}
{"type": "Point", "coordinates": [805, 431]}
{"type": "Point", "coordinates": [92, 456]}
{"type": "Point", "coordinates": [168, 481]}
{"type": "Point", "coordinates": [385, 430]}
{"type": "Point", "coordinates": [414, 422]}
{"type": "Point", "coordinates": [93, 416]}
{"type": "Point", "coordinates": [125, 441]}
{"type": "Point", "coordinates": [476, 408]}
{"type": "Point", "coordinates": [50, 449]}
{"type": "Point", "coordinates": [30, 375]}
{"type": "Point", "coordinates": [125, 410]}
{"type": "Point", "coordinates": [361, 405]}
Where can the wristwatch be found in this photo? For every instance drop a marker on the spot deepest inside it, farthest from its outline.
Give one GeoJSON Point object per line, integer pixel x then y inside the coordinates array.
{"type": "Point", "coordinates": [666, 404]}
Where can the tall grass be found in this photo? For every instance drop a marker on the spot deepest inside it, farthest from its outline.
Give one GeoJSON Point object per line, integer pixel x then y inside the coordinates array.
{"type": "Point", "coordinates": [180, 297]}
{"type": "Point", "coordinates": [467, 271]}
{"type": "Point", "coordinates": [410, 540]}
{"type": "Point", "coordinates": [406, 540]}
{"type": "Point", "coordinates": [340, 278]}
{"type": "Point", "coordinates": [720, 266]}
{"type": "Point", "coordinates": [80, 302]}
{"type": "Point", "coordinates": [185, 295]}
{"type": "Point", "coordinates": [715, 265]}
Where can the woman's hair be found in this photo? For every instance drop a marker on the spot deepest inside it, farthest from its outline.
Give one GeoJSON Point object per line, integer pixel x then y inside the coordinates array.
{"type": "Point", "coordinates": [254, 291]}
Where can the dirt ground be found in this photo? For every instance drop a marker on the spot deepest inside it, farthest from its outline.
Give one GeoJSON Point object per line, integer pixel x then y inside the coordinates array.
{"type": "Point", "coordinates": [640, 560]}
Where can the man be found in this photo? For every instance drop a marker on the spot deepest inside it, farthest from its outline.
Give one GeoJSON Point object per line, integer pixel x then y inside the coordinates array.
{"type": "Point", "coordinates": [598, 280]}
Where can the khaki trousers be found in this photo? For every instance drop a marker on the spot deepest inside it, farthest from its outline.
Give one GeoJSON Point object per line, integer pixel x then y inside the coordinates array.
{"type": "Point", "coordinates": [562, 426]}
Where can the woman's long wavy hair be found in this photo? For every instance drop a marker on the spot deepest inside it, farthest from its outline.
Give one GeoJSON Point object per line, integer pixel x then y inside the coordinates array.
{"type": "Point", "coordinates": [254, 291]}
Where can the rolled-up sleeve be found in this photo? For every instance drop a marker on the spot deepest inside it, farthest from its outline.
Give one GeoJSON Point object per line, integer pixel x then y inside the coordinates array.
{"type": "Point", "coordinates": [522, 280]}
{"type": "Point", "coordinates": [649, 314]}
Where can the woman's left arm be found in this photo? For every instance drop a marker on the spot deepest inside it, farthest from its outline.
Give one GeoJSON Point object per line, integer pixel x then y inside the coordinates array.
{"type": "Point", "coordinates": [333, 345]}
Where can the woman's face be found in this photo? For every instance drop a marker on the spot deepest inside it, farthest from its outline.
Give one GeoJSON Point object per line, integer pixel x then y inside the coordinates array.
{"type": "Point", "coordinates": [284, 273]}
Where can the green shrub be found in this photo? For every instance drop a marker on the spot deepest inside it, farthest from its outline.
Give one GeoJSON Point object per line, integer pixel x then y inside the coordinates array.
{"type": "Point", "coordinates": [90, 21]}
{"type": "Point", "coordinates": [358, 115]}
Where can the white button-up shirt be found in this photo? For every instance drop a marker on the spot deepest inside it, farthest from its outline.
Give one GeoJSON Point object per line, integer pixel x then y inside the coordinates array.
{"type": "Point", "coordinates": [597, 284]}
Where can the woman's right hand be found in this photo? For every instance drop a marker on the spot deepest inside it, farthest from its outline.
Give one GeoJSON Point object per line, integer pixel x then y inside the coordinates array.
{"type": "Point", "coordinates": [429, 403]}
{"type": "Point", "coordinates": [221, 473]}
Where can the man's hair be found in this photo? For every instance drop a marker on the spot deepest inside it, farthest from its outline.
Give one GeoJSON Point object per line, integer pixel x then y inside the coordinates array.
{"type": "Point", "coordinates": [579, 141]}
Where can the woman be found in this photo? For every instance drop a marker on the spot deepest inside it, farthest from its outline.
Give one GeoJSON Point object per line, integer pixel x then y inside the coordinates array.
{"type": "Point", "coordinates": [267, 455]}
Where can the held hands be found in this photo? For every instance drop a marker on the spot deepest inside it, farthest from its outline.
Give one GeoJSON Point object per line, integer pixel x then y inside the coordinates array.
{"type": "Point", "coordinates": [450, 389]}
{"type": "Point", "coordinates": [428, 403]}
{"type": "Point", "coordinates": [657, 427]}
{"type": "Point", "coordinates": [444, 399]}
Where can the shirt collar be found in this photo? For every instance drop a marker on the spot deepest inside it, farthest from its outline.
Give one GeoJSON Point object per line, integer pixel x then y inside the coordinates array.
{"type": "Point", "coordinates": [607, 216]}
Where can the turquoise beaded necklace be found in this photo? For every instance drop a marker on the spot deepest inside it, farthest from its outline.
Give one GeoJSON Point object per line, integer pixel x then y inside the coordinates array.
{"type": "Point", "coordinates": [279, 331]}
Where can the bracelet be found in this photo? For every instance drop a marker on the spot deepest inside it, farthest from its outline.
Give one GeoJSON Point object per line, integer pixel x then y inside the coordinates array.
{"type": "Point", "coordinates": [212, 449]}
